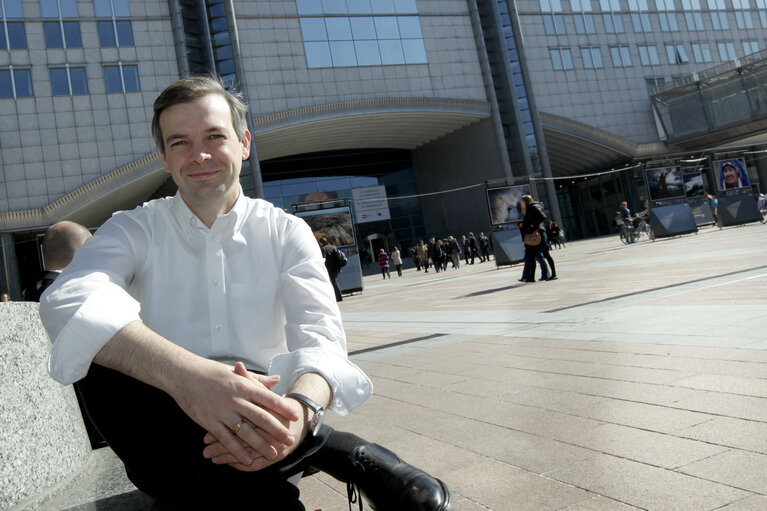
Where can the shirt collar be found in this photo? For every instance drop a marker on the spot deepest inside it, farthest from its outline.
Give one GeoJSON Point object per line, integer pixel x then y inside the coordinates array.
{"type": "Point", "coordinates": [189, 223]}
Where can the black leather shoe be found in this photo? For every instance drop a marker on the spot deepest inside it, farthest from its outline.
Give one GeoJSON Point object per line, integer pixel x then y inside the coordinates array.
{"type": "Point", "coordinates": [553, 277]}
{"type": "Point", "coordinates": [390, 484]}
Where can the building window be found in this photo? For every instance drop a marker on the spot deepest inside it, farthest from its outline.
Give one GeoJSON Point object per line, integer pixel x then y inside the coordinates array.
{"type": "Point", "coordinates": [653, 81]}
{"type": "Point", "coordinates": [553, 23]}
{"type": "Point", "coordinates": [701, 52]}
{"type": "Point", "coordinates": [762, 6]}
{"type": "Point", "coordinates": [13, 36]}
{"type": "Point", "coordinates": [718, 15]}
{"type": "Point", "coordinates": [121, 77]}
{"type": "Point", "coordinates": [640, 17]}
{"type": "Point", "coordinates": [15, 82]}
{"type": "Point", "coordinates": [363, 41]}
{"type": "Point", "coordinates": [750, 47]}
{"type": "Point", "coordinates": [612, 18]}
{"type": "Point", "coordinates": [677, 54]}
{"type": "Point", "coordinates": [666, 16]}
{"type": "Point", "coordinates": [561, 58]}
{"type": "Point", "coordinates": [63, 32]}
{"type": "Point", "coordinates": [114, 31]}
{"type": "Point", "coordinates": [582, 17]}
{"type": "Point", "coordinates": [68, 80]}
{"type": "Point", "coordinates": [621, 56]}
{"type": "Point", "coordinates": [309, 7]}
{"type": "Point", "coordinates": [743, 14]}
{"type": "Point", "coordinates": [584, 23]}
{"type": "Point", "coordinates": [692, 15]}
{"type": "Point", "coordinates": [592, 57]}
{"type": "Point", "coordinates": [648, 55]}
{"type": "Point", "coordinates": [726, 51]}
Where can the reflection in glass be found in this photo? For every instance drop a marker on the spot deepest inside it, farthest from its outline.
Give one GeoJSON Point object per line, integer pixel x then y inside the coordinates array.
{"type": "Point", "coordinates": [367, 53]}
{"type": "Point", "coordinates": [338, 29]}
{"type": "Point", "coordinates": [342, 53]}
{"type": "Point", "coordinates": [391, 52]}
{"type": "Point", "coordinates": [318, 54]}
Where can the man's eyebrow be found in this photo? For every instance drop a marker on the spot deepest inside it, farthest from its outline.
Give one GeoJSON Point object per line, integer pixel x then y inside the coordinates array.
{"type": "Point", "coordinates": [176, 136]}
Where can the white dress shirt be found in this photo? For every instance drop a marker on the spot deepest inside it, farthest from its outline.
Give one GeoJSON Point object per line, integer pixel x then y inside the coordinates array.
{"type": "Point", "coordinates": [253, 287]}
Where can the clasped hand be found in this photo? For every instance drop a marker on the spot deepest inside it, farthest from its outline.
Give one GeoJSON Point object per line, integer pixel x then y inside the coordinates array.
{"type": "Point", "coordinates": [263, 442]}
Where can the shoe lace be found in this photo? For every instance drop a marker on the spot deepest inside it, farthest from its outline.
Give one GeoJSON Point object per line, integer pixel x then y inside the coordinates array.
{"type": "Point", "coordinates": [352, 492]}
{"type": "Point", "coordinates": [354, 496]}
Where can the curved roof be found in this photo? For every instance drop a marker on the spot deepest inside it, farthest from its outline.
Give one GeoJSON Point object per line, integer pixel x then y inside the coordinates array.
{"type": "Point", "coordinates": [397, 123]}
{"type": "Point", "coordinates": [575, 148]}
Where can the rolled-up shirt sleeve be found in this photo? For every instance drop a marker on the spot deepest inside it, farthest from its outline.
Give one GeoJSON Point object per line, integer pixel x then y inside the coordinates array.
{"type": "Point", "coordinates": [88, 304]}
{"type": "Point", "coordinates": [315, 334]}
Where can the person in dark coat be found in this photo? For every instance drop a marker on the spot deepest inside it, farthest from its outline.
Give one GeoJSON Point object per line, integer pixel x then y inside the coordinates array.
{"type": "Point", "coordinates": [435, 254]}
{"type": "Point", "coordinates": [532, 222]}
{"type": "Point", "coordinates": [334, 261]}
{"type": "Point", "coordinates": [474, 248]}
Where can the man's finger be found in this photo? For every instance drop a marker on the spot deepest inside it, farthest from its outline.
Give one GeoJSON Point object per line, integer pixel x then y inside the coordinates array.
{"type": "Point", "coordinates": [260, 443]}
{"type": "Point", "coordinates": [233, 445]}
{"type": "Point", "coordinates": [267, 381]}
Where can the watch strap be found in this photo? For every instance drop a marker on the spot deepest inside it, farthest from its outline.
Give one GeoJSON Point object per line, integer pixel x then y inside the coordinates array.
{"type": "Point", "coordinates": [306, 401]}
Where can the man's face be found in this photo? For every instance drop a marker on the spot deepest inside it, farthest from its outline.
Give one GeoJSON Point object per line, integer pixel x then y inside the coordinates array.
{"type": "Point", "coordinates": [431, 240]}
{"type": "Point", "coordinates": [203, 153]}
{"type": "Point", "coordinates": [730, 176]}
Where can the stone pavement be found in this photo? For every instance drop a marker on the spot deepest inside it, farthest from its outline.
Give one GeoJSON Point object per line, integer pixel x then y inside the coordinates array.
{"type": "Point", "coordinates": [638, 380]}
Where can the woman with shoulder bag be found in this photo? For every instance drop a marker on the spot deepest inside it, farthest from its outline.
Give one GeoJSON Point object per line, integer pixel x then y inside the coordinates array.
{"type": "Point", "coordinates": [533, 235]}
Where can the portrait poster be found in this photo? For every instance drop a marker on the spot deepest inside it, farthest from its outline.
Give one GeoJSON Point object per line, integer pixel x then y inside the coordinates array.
{"type": "Point", "coordinates": [333, 223]}
{"type": "Point", "coordinates": [732, 174]}
{"type": "Point", "coordinates": [693, 184]}
{"type": "Point", "coordinates": [664, 182]}
{"type": "Point", "coordinates": [504, 203]}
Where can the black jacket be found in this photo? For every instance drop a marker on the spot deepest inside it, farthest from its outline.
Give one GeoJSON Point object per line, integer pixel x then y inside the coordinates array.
{"type": "Point", "coordinates": [534, 217]}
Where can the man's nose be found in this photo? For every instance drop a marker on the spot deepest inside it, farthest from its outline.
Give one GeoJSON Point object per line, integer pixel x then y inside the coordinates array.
{"type": "Point", "coordinates": [200, 153]}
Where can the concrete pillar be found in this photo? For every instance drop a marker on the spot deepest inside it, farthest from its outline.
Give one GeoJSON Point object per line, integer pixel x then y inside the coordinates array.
{"type": "Point", "coordinates": [10, 279]}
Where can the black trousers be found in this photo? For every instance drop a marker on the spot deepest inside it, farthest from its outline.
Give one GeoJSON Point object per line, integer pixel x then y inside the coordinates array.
{"type": "Point", "coordinates": [161, 448]}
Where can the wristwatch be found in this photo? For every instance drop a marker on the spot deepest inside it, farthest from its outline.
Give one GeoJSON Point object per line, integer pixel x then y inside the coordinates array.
{"type": "Point", "coordinates": [319, 411]}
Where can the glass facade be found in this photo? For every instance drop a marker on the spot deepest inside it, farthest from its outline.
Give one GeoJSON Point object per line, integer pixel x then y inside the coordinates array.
{"type": "Point", "coordinates": [405, 225]}
{"type": "Point", "coordinates": [362, 33]}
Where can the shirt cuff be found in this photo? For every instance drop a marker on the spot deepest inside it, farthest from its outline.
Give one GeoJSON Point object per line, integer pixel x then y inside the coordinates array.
{"type": "Point", "coordinates": [99, 318]}
{"type": "Point", "coordinates": [351, 387]}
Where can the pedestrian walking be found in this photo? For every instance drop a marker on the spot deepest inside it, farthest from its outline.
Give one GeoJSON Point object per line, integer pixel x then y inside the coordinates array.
{"type": "Point", "coordinates": [383, 263]}
{"type": "Point", "coordinates": [396, 260]}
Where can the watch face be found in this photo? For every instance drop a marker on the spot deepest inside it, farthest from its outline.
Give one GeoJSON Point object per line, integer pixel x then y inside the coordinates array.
{"type": "Point", "coordinates": [318, 422]}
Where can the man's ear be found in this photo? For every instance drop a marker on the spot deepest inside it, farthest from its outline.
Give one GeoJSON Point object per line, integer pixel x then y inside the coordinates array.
{"type": "Point", "coordinates": [164, 161]}
{"type": "Point", "coordinates": [246, 141]}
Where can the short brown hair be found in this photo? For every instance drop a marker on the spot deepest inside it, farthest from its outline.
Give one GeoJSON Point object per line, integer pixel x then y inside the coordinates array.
{"type": "Point", "coordinates": [191, 89]}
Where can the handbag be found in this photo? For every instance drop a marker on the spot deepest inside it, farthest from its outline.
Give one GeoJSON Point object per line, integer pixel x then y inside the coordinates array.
{"type": "Point", "coordinates": [533, 239]}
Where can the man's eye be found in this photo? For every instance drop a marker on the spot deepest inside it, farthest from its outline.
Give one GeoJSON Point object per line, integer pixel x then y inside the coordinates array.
{"type": "Point", "coordinates": [177, 143]}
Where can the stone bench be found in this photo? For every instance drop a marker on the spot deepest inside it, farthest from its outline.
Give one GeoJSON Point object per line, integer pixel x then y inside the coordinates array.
{"type": "Point", "coordinates": [46, 460]}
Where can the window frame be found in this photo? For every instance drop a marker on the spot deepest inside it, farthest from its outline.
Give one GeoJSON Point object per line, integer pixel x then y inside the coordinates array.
{"type": "Point", "coordinates": [14, 80]}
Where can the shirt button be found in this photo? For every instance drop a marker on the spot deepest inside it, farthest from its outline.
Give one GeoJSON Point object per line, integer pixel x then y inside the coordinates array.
{"type": "Point", "coordinates": [215, 282]}
{"type": "Point", "coordinates": [218, 328]}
